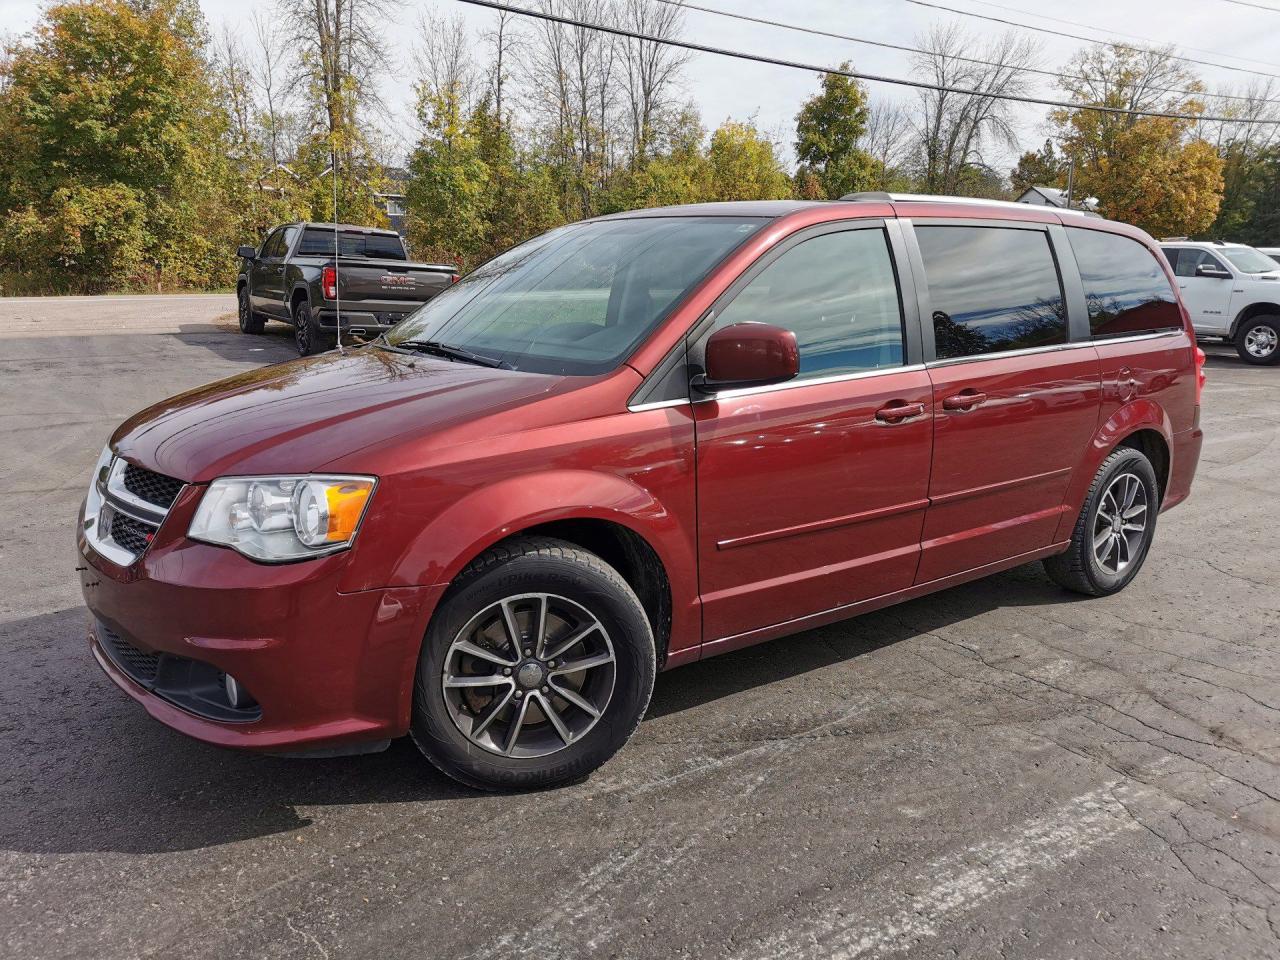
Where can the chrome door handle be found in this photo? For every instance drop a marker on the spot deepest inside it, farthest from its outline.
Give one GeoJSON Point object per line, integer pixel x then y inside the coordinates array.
{"type": "Point", "coordinates": [899, 412]}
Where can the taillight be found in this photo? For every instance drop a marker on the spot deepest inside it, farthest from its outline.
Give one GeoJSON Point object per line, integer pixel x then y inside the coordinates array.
{"type": "Point", "coordinates": [1200, 376]}
{"type": "Point", "coordinates": [329, 283]}
{"type": "Point", "coordinates": [454, 278]}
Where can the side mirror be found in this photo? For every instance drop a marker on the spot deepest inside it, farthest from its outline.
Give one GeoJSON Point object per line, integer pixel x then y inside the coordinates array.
{"type": "Point", "coordinates": [1209, 270]}
{"type": "Point", "coordinates": [247, 253]}
{"type": "Point", "coordinates": [748, 355]}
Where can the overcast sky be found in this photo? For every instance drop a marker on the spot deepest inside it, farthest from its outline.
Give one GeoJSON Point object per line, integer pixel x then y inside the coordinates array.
{"type": "Point", "coordinates": [1217, 30]}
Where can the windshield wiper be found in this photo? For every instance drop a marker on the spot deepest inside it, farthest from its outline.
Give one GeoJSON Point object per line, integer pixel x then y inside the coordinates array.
{"type": "Point", "coordinates": [437, 349]}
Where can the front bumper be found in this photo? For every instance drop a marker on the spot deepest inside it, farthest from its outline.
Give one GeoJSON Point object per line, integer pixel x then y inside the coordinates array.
{"type": "Point", "coordinates": [328, 670]}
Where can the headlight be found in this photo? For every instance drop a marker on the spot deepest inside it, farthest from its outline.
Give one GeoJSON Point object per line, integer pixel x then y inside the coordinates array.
{"type": "Point", "coordinates": [282, 518]}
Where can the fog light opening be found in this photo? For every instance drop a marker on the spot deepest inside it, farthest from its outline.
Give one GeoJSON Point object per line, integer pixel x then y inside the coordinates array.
{"type": "Point", "coordinates": [237, 695]}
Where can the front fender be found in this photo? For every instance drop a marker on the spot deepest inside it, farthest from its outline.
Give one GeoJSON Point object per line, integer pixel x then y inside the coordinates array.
{"type": "Point", "coordinates": [437, 553]}
{"type": "Point", "coordinates": [477, 521]}
{"type": "Point", "coordinates": [1136, 415]}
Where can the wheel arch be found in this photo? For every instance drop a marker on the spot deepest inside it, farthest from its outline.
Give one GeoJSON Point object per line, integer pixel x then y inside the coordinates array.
{"type": "Point", "coordinates": [1262, 308]}
{"type": "Point", "coordinates": [1141, 424]}
{"type": "Point", "coordinates": [623, 523]}
{"type": "Point", "coordinates": [300, 292]}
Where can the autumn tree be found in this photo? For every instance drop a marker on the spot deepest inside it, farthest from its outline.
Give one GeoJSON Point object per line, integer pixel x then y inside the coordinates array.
{"type": "Point", "coordinates": [1147, 170]}
{"type": "Point", "coordinates": [744, 165]}
{"type": "Point", "coordinates": [829, 131]}
{"type": "Point", "coordinates": [114, 167]}
{"type": "Point", "coordinates": [1038, 168]}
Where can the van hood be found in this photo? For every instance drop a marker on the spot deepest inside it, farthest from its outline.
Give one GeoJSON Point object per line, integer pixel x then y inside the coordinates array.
{"type": "Point", "coordinates": [298, 416]}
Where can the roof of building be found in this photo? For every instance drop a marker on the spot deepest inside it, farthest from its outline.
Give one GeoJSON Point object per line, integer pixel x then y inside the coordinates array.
{"type": "Point", "coordinates": [1058, 198]}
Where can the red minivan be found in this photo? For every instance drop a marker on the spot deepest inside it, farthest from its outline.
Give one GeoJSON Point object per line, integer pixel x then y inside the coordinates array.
{"type": "Point", "coordinates": [629, 444]}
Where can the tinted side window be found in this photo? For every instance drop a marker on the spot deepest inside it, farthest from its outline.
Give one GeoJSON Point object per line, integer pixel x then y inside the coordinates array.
{"type": "Point", "coordinates": [1124, 287]}
{"type": "Point", "coordinates": [274, 246]}
{"type": "Point", "coordinates": [838, 293]}
{"type": "Point", "coordinates": [286, 240]}
{"type": "Point", "coordinates": [1171, 254]}
{"type": "Point", "coordinates": [1189, 259]}
{"type": "Point", "coordinates": [993, 289]}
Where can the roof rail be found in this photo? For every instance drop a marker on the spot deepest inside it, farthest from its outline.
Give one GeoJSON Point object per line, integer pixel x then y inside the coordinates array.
{"type": "Point", "coordinates": [882, 197]}
{"type": "Point", "coordinates": [879, 195]}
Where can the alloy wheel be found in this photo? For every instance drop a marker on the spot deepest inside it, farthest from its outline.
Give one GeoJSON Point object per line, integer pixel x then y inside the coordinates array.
{"type": "Point", "coordinates": [529, 675]}
{"type": "Point", "coordinates": [301, 333]}
{"type": "Point", "coordinates": [1261, 341]}
{"type": "Point", "coordinates": [1121, 523]}
{"type": "Point", "coordinates": [244, 311]}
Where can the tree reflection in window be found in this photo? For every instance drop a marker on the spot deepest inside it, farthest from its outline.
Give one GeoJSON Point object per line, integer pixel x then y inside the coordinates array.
{"type": "Point", "coordinates": [993, 289]}
{"type": "Point", "coordinates": [1126, 289]}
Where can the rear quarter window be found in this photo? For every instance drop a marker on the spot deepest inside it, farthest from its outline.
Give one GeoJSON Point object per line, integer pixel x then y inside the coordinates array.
{"type": "Point", "coordinates": [1126, 290]}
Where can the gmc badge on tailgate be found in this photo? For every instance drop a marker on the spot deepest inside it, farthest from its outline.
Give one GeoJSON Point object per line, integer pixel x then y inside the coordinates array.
{"type": "Point", "coordinates": [398, 281]}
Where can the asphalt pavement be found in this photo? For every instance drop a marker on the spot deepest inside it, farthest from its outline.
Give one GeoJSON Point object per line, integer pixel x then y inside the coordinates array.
{"type": "Point", "coordinates": [1003, 769]}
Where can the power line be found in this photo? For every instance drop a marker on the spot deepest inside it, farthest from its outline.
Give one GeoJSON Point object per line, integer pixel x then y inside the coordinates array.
{"type": "Point", "coordinates": [852, 74]}
{"type": "Point", "coordinates": [1121, 33]}
{"type": "Point", "coordinates": [1256, 6]}
{"type": "Point", "coordinates": [1076, 36]}
{"type": "Point", "coordinates": [907, 49]}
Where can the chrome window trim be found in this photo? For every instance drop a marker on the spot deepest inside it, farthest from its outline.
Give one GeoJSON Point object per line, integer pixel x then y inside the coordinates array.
{"type": "Point", "coordinates": [1024, 352]}
{"type": "Point", "coordinates": [906, 368]}
{"type": "Point", "coordinates": [1134, 338]}
{"type": "Point", "coordinates": [658, 405]}
{"type": "Point", "coordinates": [810, 382]}
{"type": "Point", "coordinates": [1053, 348]}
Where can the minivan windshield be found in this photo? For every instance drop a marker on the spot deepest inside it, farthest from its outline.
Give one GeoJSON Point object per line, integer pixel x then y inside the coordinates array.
{"type": "Point", "coordinates": [576, 300]}
{"type": "Point", "coordinates": [1249, 260]}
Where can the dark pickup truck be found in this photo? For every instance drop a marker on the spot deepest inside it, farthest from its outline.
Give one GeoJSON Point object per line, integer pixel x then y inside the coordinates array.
{"type": "Point", "coordinates": [369, 287]}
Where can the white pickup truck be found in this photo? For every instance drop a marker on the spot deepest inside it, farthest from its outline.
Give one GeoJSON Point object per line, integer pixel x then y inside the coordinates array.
{"type": "Point", "coordinates": [1232, 292]}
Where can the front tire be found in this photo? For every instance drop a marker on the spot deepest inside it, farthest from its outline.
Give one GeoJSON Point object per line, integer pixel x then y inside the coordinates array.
{"type": "Point", "coordinates": [536, 669]}
{"type": "Point", "coordinates": [1258, 341]}
{"type": "Point", "coordinates": [250, 320]}
{"type": "Point", "coordinates": [1113, 534]}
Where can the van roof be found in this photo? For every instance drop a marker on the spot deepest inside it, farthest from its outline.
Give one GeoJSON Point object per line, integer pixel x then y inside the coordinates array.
{"type": "Point", "coordinates": [781, 208]}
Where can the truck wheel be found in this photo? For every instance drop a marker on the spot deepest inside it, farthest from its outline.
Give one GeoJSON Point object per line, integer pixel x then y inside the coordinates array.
{"type": "Point", "coordinates": [308, 336]}
{"type": "Point", "coordinates": [536, 669]}
{"type": "Point", "coordinates": [1258, 340]}
{"type": "Point", "coordinates": [250, 321]}
{"type": "Point", "coordinates": [1114, 532]}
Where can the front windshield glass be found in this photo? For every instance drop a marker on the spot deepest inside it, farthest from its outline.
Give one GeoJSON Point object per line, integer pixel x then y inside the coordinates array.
{"type": "Point", "coordinates": [1249, 260]}
{"type": "Point", "coordinates": [579, 299]}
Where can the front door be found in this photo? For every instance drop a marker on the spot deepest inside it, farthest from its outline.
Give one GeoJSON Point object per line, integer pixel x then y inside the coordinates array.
{"type": "Point", "coordinates": [1014, 403]}
{"type": "Point", "coordinates": [268, 274]}
{"type": "Point", "coordinates": [811, 494]}
{"type": "Point", "coordinates": [1208, 298]}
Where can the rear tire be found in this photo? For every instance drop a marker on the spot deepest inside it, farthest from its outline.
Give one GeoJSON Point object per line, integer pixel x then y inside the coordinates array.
{"type": "Point", "coordinates": [250, 320]}
{"type": "Point", "coordinates": [1258, 341]}
{"type": "Point", "coordinates": [498, 714]}
{"type": "Point", "coordinates": [307, 335]}
{"type": "Point", "coordinates": [1113, 534]}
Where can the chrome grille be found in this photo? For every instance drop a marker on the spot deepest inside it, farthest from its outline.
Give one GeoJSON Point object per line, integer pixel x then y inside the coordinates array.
{"type": "Point", "coordinates": [123, 515]}
{"type": "Point", "coordinates": [133, 535]}
{"type": "Point", "coordinates": [155, 488]}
